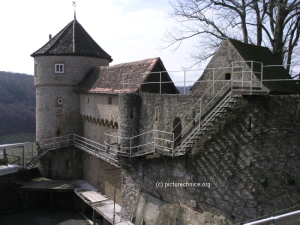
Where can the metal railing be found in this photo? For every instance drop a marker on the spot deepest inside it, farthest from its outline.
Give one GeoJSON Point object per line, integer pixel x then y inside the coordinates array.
{"type": "Point", "coordinates": [247, 74]}
{"type": "Point", "coordinates": [217, 94]}
{"type": "Point", "coordinates": [19, 153]}
{"type": "Point", "coordinates": [145, 143]}
{"type": "Point", "coordinates": [87, 145]}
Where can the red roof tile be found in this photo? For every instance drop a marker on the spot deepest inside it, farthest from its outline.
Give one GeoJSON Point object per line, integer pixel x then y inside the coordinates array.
{"type": "Point", "coordinates": [112, 79]}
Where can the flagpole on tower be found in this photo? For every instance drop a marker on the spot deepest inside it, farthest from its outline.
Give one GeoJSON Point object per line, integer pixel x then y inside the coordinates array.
{"type": "Point", "coordinates": [74, 5]}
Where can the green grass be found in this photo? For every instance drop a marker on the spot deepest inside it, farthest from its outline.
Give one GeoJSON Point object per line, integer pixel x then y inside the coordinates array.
{"type": "Point", "coordinates": [17, 138]}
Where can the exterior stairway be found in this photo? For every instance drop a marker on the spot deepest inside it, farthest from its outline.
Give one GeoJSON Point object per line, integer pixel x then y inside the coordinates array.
{"type": "Point", "coordinates": [89, 146]}
{"type": "Point", "coordinates": [200, 119]}
{"type": "Point", "coordinates": [205, 123]}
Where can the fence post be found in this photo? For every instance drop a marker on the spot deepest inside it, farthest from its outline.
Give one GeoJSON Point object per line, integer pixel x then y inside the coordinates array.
{"type": "Point", "coordinates": [130, 147]}
{"type": "Point", "coordinates": [24, 160]}
{"type": "Point", "coordinates": [251, 77]}
{"type": "Point", "coordinates": [173, 150]}
{"type": "Point", "coordinates": [154, 137]}
{"type": "Point", "coordinates": [160, 83]}
{"type": "Point", "coordinates": [261, 74]}
{"type": "Point", "coordinates": [231, 78]}
{"type": "Point", "coordinates": [200, 114]}
{"type": "Point", "coordinates": [184, 82]}
{"type": "Point", "coordinates": [213, 81]}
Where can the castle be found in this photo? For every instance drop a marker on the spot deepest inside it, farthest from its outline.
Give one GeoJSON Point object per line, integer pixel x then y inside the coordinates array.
{"type": "Point", "coordinates": [126, 127]}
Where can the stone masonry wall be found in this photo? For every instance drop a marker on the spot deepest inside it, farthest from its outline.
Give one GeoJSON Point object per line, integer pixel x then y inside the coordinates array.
{"type": "Point", "coordinates": [103, 176]}
{"type": "Point", "coordinates": [57, 103]}
{"type": "Point", "coordinates": [226, 61]}
{"type": "Point", "coordinates": [64, 163]}
{"type": "Point", "coordinates": [155, 112]}
{"type": "Point", "coordinates": [98, 116]}
{"type": "Point", "coordinates": [247, 167]}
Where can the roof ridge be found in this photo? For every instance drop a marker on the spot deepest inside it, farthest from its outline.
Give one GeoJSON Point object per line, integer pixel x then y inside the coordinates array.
{"type": "Point", "coordinates": [127, 63]}
{"type": "Point", "coordinates": [73, 39]}
{"type": "Point", "coordinates": [249, 44]}
{"type": "Point", "coordinates": [74, 47]}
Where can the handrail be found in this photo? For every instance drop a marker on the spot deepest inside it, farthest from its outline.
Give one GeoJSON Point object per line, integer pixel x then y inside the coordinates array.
{"type": "Point", "coordinates": [115, 143]}
{"type": "Point", "coordinates": [210, 96]}
{"type": "Point", "coordinates": [130, 145]}
{"type": "Point", "coordinates": [90, 146]}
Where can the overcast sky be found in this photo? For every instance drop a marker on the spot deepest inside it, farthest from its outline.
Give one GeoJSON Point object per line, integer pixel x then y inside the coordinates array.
{"type": "Point", "coordinates": [128, 30]}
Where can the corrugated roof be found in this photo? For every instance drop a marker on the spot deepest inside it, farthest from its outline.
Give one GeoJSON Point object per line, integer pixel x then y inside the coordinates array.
{"type": "Point", "coordinates": [72, 40]}
{"type": "Point", "coordinates": [110, 79]}
{"type": "Point", "coordinates": [263, 54]}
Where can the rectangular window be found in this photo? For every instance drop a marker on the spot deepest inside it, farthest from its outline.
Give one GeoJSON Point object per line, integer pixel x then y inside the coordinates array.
{"type": "Point", "coordinates": [227, 76]}
{"type": "Point", "coordinates": [35, 70]}
{"type": "Point", "coordinates": [109, 100]}
{"type": "Point", "coordinates": [59, 68]}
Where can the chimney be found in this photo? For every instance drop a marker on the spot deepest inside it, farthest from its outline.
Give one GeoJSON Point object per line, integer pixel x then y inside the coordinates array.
{"type": "Point", "coordinates": [50, 37]}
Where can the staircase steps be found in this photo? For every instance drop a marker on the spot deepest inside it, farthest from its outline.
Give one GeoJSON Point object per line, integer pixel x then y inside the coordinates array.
{"type": "Point", "coordinates": [193, 135]}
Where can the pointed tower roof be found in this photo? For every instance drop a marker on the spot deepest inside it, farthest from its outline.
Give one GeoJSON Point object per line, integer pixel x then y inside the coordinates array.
{"type": "Point", "coordinates": [72, 40]}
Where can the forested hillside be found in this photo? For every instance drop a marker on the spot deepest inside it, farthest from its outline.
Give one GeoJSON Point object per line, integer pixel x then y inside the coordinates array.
{"type": "Point", "coordinates": [17, 103]}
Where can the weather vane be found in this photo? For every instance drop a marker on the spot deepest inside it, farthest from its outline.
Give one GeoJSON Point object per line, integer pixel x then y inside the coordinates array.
{"type": "Point", "coordinates": [74, 5]}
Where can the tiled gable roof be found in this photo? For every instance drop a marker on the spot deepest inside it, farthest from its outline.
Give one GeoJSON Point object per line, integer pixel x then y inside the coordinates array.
{"type": "Point", "coordinates": [72, 40]}
{"type": "Point", "coordinates": [109, 79]}
{"type": "Point", "coordinates": [263, 54]}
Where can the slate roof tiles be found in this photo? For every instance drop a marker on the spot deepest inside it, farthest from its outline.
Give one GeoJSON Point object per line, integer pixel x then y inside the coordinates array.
{"type": "Point", "coordinates": [270, 71]}
{"type": "Point", "coordinates": [110, 79]}
{"type": "Point", "coordinates": [72, 40]}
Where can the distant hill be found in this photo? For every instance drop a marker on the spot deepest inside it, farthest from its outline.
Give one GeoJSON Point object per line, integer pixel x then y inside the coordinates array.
{"type": "Point", "coordinates": [17, 103]}
{"type": "Point", "coordinates": [181, 89]}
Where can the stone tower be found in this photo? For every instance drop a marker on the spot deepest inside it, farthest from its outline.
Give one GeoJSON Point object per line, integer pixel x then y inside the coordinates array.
{"type": "Point", "coordinates": [59, 66]}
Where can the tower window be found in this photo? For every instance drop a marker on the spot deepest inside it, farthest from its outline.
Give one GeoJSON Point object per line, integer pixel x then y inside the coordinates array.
{"type": "Point", "coordinates": [35, 69]}
{"type": "Point", "coordinates": [109, 100]}
{"type": "Point", "coordinates": [227, 76]}
{"type": "Point", "coordinates": [60, 101]}
{"type": "Point", "coordinates": [59, 68]}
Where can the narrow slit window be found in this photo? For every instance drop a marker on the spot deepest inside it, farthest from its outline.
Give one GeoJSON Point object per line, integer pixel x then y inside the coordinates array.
{"type": "Point", "coordinates": [59, 68]}
{"type": "Point", "coordinates": [109, 100]}
{"type": "Point", "coordinates": [227, 76]}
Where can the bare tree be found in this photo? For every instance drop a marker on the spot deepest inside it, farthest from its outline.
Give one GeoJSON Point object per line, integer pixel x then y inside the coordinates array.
{"type": "Point", "coordinates": [271, 23]}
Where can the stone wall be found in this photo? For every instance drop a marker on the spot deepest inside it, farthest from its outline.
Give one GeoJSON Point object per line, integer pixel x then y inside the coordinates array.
{"type": "Point", "coordinates": [103, 176]}
{"type": "Point", "coordinates": [151, 210]}
{"type": "Point", "coordinates": [64, 163]}
{"type": "Point", "coordinates": [247, 167]}
{"type": "Point", "coordinates": [98, 116]}
{"type": "Point", "coordinates": [146, 112]}
{"type": "Point", "coordinates": [226, 64]}
{"type": "Point", "coordinates": [57, 103]}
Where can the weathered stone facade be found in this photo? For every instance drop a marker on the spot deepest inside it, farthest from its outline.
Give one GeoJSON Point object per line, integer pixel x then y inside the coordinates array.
{"type": "Point", "coordinates": [64, 163]}
{"type": "Point", "coordinates": [54, 118]}
{"type": "Point", "coordinates": [99, 113]}
{"type": "Point", "coordinates": [227, 64]}
{"type": "Point", "coordinates": [246, 165]}
{"type": "Point", "coordinates": [250, 160]}
{"type": "Point", "coordinates": [103, 176]}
